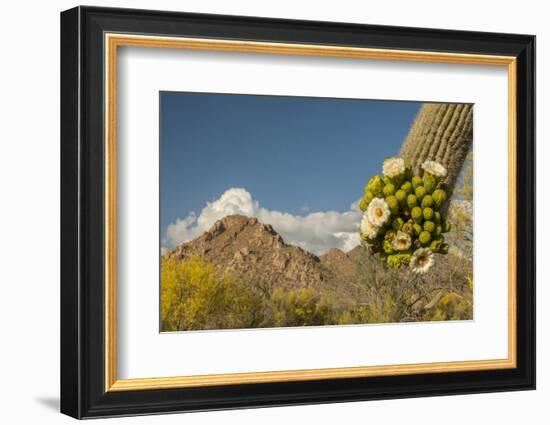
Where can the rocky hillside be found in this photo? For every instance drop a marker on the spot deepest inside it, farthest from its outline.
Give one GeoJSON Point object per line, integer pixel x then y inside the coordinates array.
{"type": "Point", "coordinates": [249, 248]}
{"type": "Point", "coordinates": [338, 262]}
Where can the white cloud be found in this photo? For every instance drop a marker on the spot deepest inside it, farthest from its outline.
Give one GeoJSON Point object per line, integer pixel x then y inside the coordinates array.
{"type": "Point", "coordinates": [315, 232]}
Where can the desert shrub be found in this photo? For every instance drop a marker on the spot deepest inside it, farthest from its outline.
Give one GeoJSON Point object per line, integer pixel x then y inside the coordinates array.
{"type": "Point", "coordinates": [351, 316]}
{"type": "Point", "coordinates": [450, 307]}
{"type": "Point", "coordinates": [309, 307]}
{"type": "Point", "coordinates": [194, 296]}
{"type": "Point", "coordinates": [298, 307]}
{"type": "Point", "coordinates": [391, 296]}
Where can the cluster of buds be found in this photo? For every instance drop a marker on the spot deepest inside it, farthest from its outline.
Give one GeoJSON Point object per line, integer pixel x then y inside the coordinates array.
{"type": "Point", "coordinates": [403, 220]}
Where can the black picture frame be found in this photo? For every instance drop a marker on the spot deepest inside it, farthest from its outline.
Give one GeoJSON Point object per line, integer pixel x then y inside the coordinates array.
{"type": "Point", "coordinates": [82, 212]}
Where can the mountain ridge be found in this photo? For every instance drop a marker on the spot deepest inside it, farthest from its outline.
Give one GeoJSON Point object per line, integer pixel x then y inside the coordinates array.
{"type": "Point", "coordinates": [254, 250]}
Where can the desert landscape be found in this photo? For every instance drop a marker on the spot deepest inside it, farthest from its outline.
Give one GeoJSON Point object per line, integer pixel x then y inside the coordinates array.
{"type": "Point", "coordinates": [242, 274]}
{"type": "Point", "coordinates": [401, 252]}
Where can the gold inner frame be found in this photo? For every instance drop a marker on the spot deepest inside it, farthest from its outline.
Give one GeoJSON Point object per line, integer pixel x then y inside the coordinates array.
{"type": "Point", "coordinates": [113, 41]}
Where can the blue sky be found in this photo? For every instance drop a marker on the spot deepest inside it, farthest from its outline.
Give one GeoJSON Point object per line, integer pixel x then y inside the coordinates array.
{"type": "Point", "coordinates": [292, 154]}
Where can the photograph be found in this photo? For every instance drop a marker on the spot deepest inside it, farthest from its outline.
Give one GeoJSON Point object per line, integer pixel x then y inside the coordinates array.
{"type": "Point", "coordinates": [288, 211]}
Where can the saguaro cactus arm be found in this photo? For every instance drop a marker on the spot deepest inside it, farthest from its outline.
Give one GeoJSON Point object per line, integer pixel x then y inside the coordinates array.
{"type": "Point", "coordinates": [443, 133]}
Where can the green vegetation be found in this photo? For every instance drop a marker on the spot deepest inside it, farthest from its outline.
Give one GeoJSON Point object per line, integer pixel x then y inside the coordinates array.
{"type": "Point", "coordinates": [389, 296]}
{"type": "Point", "coordinates": [197, 297]}
{"type": "Point", "coordinates": [194, 296]}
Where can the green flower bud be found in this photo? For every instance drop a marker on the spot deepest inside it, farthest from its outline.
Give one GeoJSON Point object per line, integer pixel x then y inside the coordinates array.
{"type": "Point", "coordinates": [437, 217]}
{"type": "Point", "coordinates": [427, 201]}
{"type": "Point", "coordinates": [387, 247]}
{"type": "Point", "coordinates": [446, 226]}
{"type": "Point", "coordinates": [397, 223]}
{"type": "Point", "coordinates": [386, 180]}
{"type": "Point", "coordinates": [411, 201]}
{"type": "Point", "coordinates": [407, 187]}
{"type": "Point", "coordinates": [420, 192]}
{"type": "Point", "coordinates": [401, 196]}
{"type": "Point", "coordinates": [438, 229]}
{"type": "Point", "coordinates": [429, 181]}
{"type": "Point", "coordinates": [393, 204]}
{"type": "Point", "coordinates": [429, 226]}
{"type": "Point", "coordinates": [398, 260]}
{"type": "Point", "coordinates": [393, 262]}
{"type": "Point", "coordinates": [424, 237]}
{"type": "Point", "coordinates": [416, 214]}
{"type": "Point", "coordinates": [439, 197]}
{"type": "Point", "coordinates": [389, 189]}
{"type": "Point", "coordinates": [444, 249]}
{"type": "Point", "coordinates": [363, 204]}
{"type": "Point", "coordinates": [417, 229]}
{"type": "Point", "coordinates": [375, 186]}
{"type": "Point", "coordinates": [428, 213]}
{"type": "Point", "coordinates": [436, 244]}
{"type": "Point", "coordinates": [416, 181]}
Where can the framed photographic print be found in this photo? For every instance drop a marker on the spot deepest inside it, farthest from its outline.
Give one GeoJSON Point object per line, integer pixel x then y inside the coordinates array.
{"type": "Point", "coordinates": [261, 212]}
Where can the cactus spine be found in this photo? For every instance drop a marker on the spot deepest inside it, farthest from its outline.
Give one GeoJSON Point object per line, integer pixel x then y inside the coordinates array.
{"type": "Point", "coordinates": [443, 133]}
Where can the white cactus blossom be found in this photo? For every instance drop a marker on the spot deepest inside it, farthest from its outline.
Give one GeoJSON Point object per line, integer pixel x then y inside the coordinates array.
{"type": "Point", "coordinates": [434, 168]}
{"type": "Point", "coordinates": [422, 260]}
{"type": "Point", "coordinates": [392, 167]}
{"type": "Point", "coordinates": [401, 241]}
{"type": "Point", "coordinates": [367, 228]}
{"type": "Point", "coordinates": [378, 212]}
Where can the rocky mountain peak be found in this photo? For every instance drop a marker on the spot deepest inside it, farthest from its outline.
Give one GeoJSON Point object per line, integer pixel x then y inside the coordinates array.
{"type": "Point", "coordinates": [252, 249]}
